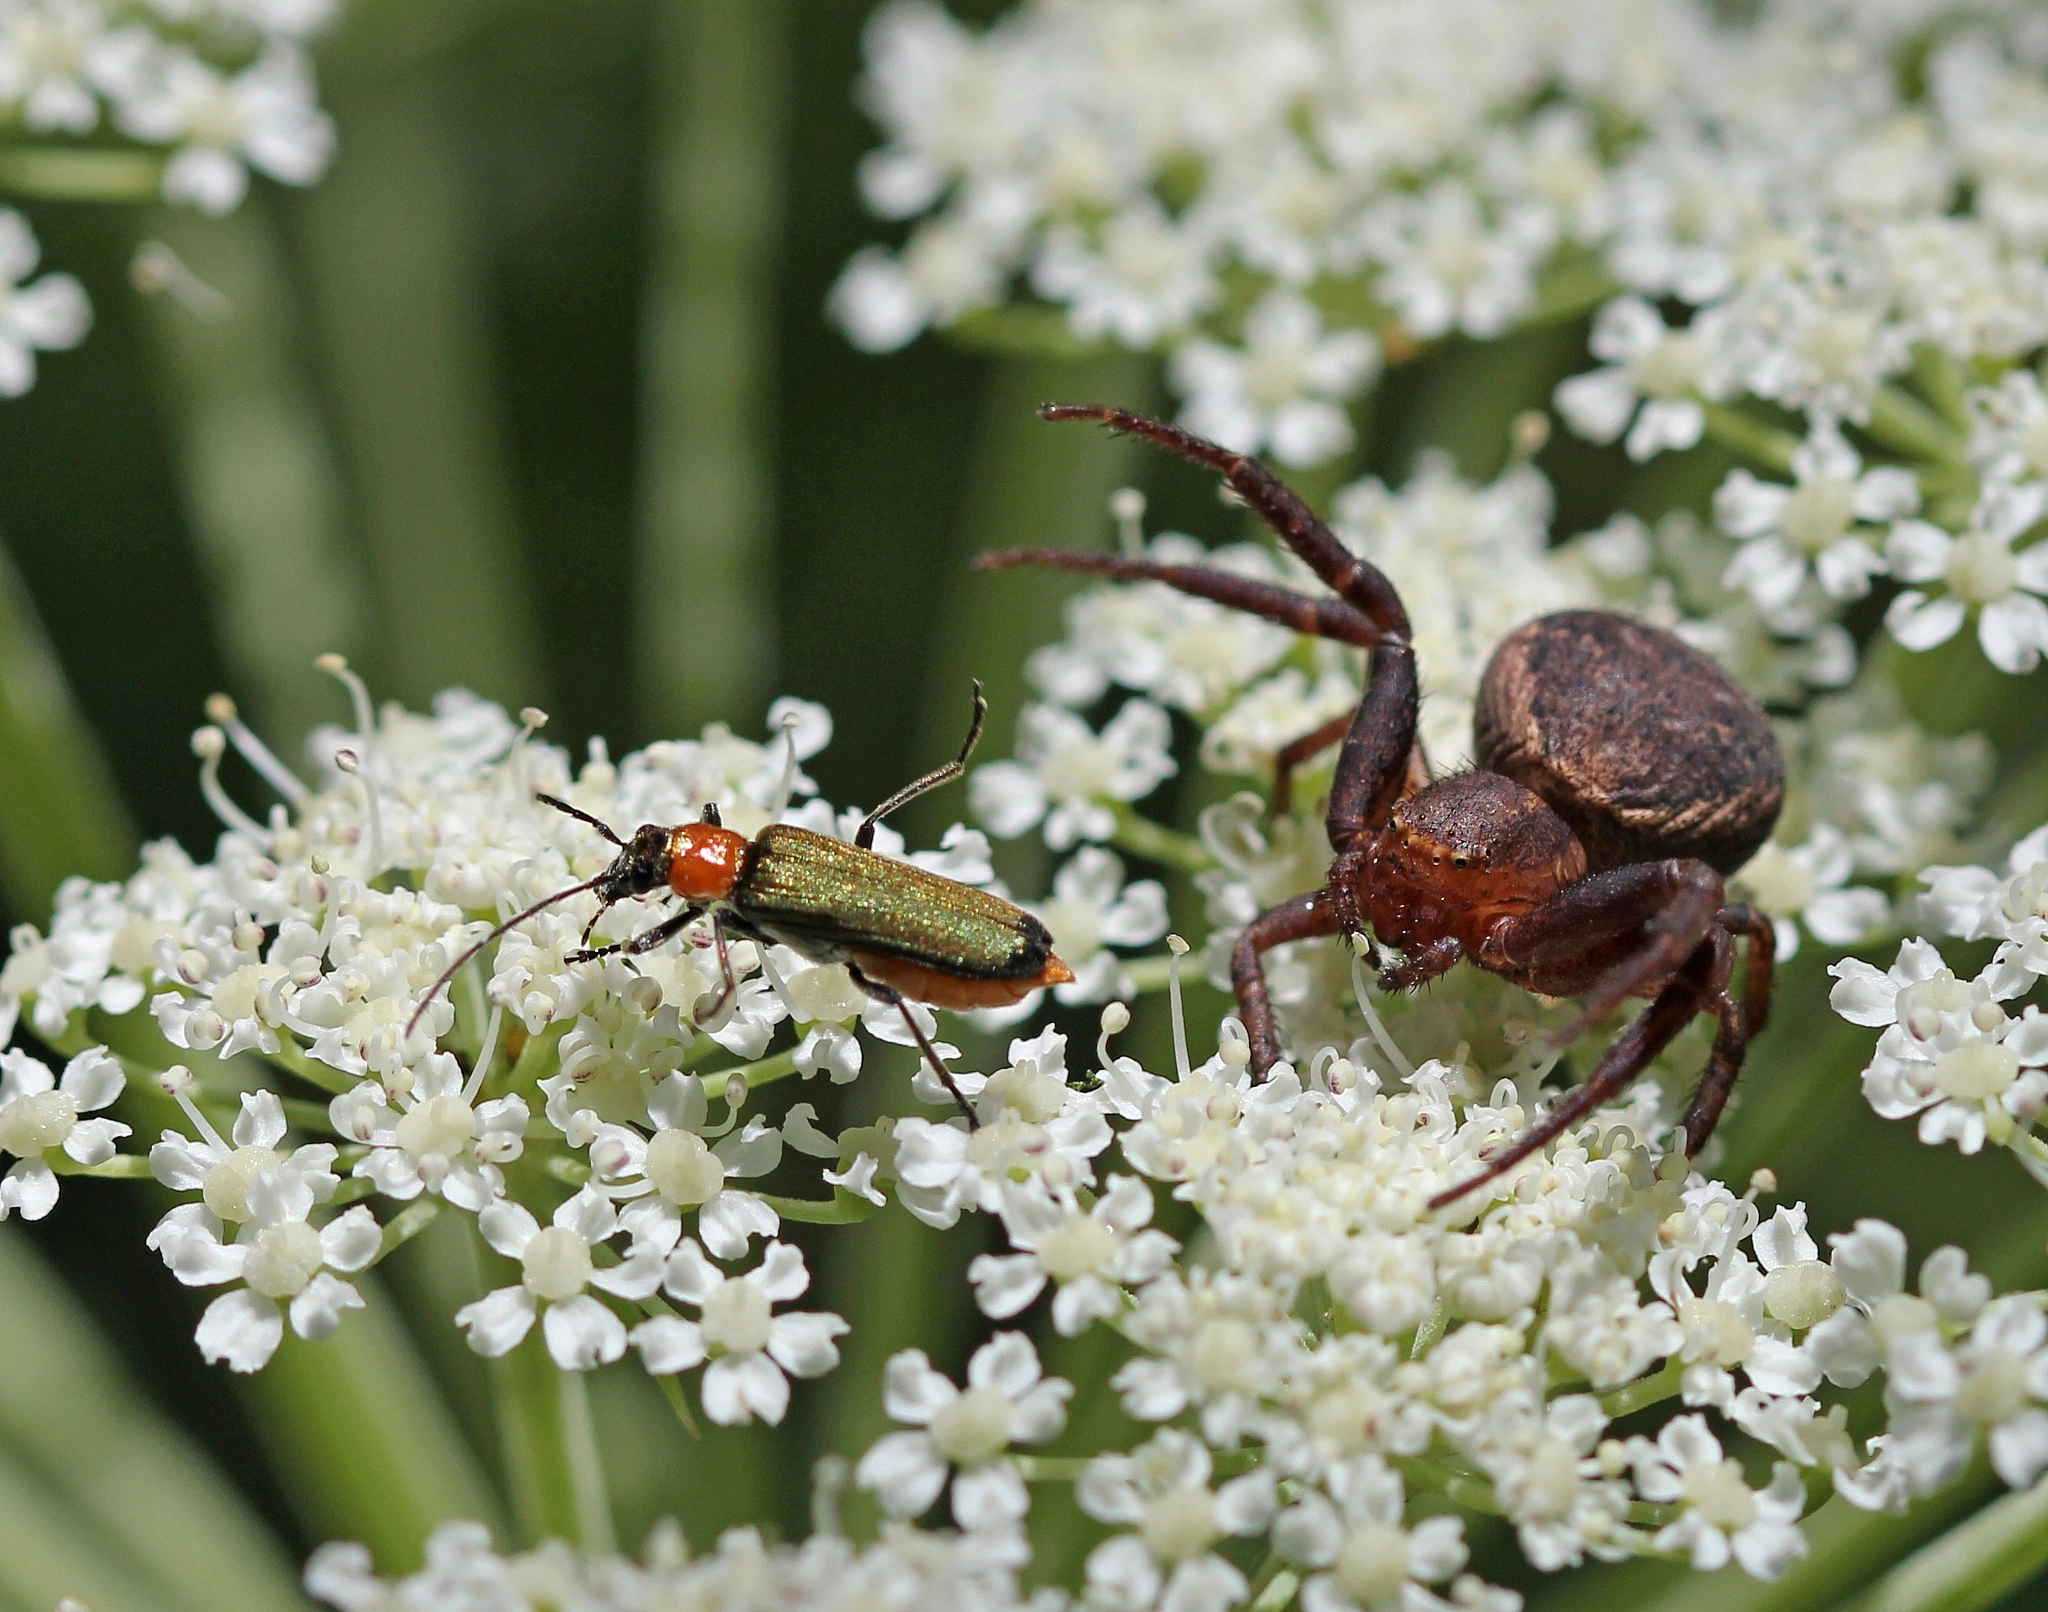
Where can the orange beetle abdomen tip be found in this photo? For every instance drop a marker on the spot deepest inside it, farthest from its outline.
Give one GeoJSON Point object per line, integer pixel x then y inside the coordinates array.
{"type": "Point", "coordinates": [955, 991]}
{"type": "Point", "coordinates": [704, 861]}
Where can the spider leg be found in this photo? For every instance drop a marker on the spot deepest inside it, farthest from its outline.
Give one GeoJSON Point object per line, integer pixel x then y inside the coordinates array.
{"type": "Point", "coordinates": [1670, 904]}
{"type": "Point", "coordinates": [1724, 1062]}
{"type": "Point", "coordinates": [1295, 752]}
{"type": "Point", "coordinates": [1373, 766]}
{"type": "Point", "coordinates": [1321, 618]}
{"type": "Point", "coordinates": [1299, 919]}
{"type": "Point", "coordinates": [645, 941]}
{"type": "Point", "coordinates": [1653, 1031]}
{"type": "Point", "coordinates": [895, 998]}
{"type": "Point", "coordinates": [1433, 961]}
{"type": "Point", "coordinates": [1738, 918]}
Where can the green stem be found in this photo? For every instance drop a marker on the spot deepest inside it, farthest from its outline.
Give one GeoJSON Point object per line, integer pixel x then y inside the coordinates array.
{"type": "Point", "coordinates": [1943, 383]}
{"type": "Point", "coordinates": [407, 1224]}
{"type": "Point", "coordinates": [706, 523]}
{"type": "Point", "coordinates": [531, 1430]}
{"type": "Point", "coordinates": [121, 1167]}
{"type": "Point", "coordinates": [1474, 1494]}
{"type": "Point", "coordinates": [1658, 1386]}
{"type": "Point", "coordinates": [594, 1530]}
{"type": "Point", "coordinates": [89, 176]}
{"type": "Point", "coordinates": [1736, 431]}
{"type": "Point", "coordinates": [843, 1209]}
{"type": "Point", "coordinates": [1142, 837]}
{"type": "Point", "coordinates": [1052, 1468]}
{"type": "Point", "coordinates": [292, 1057]}
{"type": "Point", "coordinates": [756, 1075]}
{"type": "Point", "coordinates": [1901, 421]}
{"type": "Point", "coordinates": [1570, 287]}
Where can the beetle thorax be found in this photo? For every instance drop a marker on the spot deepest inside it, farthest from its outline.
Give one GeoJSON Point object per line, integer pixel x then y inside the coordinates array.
{"type": "Point", "coordinates": [704, 861]}
{"type": "Point", "coordinates": [1461, 853]}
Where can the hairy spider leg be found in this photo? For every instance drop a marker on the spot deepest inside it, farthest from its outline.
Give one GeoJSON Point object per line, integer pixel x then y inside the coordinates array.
{"type": "Point", "coordinates": [1375, 762]}
{"type": "Point", "coordinates": [1672, 903]}
{"type": "Point", "coordinates": [1724, 1061]}
{"type": "Point", "coordinates": [1739, 918]}
{"type": "Point", "coordinates": [1303, 918]}
{"type": "Point", "coordinates": [1433, 961]}
{"type": "Point", "coordinates": [896, 999]}
{"type": "Point", "coordinates": [1691, 990]}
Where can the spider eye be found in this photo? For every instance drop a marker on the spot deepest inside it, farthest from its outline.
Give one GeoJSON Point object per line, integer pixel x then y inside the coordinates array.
{"type": "Point", "coordinates": [1460, 861]}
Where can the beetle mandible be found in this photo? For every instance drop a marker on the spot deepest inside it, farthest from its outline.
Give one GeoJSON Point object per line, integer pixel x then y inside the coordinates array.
{"type": "Point", "coordinates": [904, 934]}
{"type": "Point", "coordinates": [1620, 776]}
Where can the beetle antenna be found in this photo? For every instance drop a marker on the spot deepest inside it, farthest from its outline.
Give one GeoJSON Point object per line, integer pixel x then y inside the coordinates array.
{"type": "Point", "coordinates": [956, 768]}
{"type": "Point", "coordinates": [581, 816]}
{"type": "Point", "coordinates": [462, 962]}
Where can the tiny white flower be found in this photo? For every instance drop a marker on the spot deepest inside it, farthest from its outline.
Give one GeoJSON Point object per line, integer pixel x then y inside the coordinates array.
{"type": "Point", "coordinates": [1723, 1518]}
{"type": "Point", "coordinates": [1828, 521]}
{"type": "Point", "coordinates": [1981, 572]}
{"type": "Point", "coordinates": [967, 1432]}
{"type": "Point", "coordinates": [1285, 387]}
{"type": "Point", "coordinates": [263, 117]}
{"type": "Point", "coordinates": [1161, 1490]}
{"type": "Point", "coordinates": [51, 314]}
{"type": "Point", "coordinates": [1355, 1536]}
{"type": "Point", "coordinates": [1804, 883]}
{"type": "Point", "coordinates": [750, 1347]}
{"type": "Point", "coordinates": [436, 1138]}
{"type": "Point", "coordinates": [555, 1269]}
{"type": "Point", "coordinates": [1068, 776]}
{"type": "Point", "coordinates": [1094, 1255]}
{"type": "Point", "coordinates": [39, 1111]}
{"type": "Point", "coordinates": [278, 1256]}
{"type": "Point", "coordinates": [1651, 377]}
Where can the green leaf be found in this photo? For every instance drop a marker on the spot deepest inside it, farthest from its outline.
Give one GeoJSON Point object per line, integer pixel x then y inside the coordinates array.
{"type": "Point", "coordinates": [59, 812]}
{"type": "Point", "coordinates": [100, 1496]}
{"type": "Point", "coordinates": [361, 1438]}
{"type": "Point", "coordinates": [703, 587]}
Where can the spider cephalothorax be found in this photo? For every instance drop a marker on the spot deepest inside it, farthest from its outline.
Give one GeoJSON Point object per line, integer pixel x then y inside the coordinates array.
{"type": "Point", "coordinates": [1620, 776]}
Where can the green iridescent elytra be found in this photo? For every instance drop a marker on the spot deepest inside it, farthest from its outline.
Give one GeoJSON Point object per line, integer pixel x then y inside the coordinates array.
{"type": "Point", "coordinates": [822, 896]}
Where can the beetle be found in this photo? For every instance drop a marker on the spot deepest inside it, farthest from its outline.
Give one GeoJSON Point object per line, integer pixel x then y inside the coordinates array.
{"type": "Point", "coordinates": [1620, 777]}
{"type": "Point", "coordinates": [904, 934]}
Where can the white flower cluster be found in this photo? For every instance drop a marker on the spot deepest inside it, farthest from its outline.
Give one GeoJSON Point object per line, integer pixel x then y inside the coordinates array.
{"type": "Point", "coordinates": [221, 86]}
{"type": "Point", "coordinates": [905, 1571]}
{"type": "Point", "coordinates": [311, 942]}
{"type": "Point", "coordinates": [1840, 201]}
{"type": "Point", "coordinates": [1953, 1053]}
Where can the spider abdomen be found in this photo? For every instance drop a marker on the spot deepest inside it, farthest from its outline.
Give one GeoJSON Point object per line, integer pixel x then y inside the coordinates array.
{"type": "Point", "coordinates": [1637, 740]}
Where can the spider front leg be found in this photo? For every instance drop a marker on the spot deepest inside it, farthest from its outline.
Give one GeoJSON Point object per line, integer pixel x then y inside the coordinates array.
{"type": "Point", "coordinates": [1700, 984]}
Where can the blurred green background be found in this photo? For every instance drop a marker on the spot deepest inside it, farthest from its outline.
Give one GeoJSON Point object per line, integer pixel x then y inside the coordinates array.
{"type": "Point", "coordinates": [535, 393]}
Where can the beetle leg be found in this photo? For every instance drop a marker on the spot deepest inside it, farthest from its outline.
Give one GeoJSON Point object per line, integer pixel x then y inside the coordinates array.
{"type": "Point", "coordinates": [1433, 961]}
{"type": "Point", "coordinates": [1671, 903]}
{"type": "Point", "coordinates": [1299, 919]}
{"type": "Point", "coordinates": [1653, 1030]}
{"type": "Point", "coordinates": [730, 981]}
{"type": "Point", "coordinates": [645, 941]}
{"type": "Point", "coordinates": [1738, 918]}
{"type": "Point", "coordinates": [896, 999]}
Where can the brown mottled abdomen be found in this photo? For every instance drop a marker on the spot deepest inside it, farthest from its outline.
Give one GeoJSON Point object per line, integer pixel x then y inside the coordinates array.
{"type": "Point", "coordinates": [1637, 740]}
